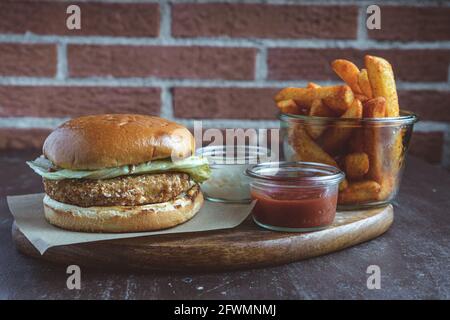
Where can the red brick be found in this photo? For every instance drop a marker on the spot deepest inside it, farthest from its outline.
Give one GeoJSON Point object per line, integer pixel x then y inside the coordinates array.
{"type": "Point", "coordinates": [413, 24]}
{"type": "Point", "coordinates": [224, 103]}
{"type": "Point", "coordinates": [427, 145]}
{"type": "Point", "coordinates": [264, 21]}
{"type": "Point", "coordinates": [314, 64]}
{"type": "Point", "coordinates": [106, 19]}
{"type": "Point", "coordinates": [429, 105]}
{"type": "Point", "coordinates": [165, 62]}
{"type": "Point", "coordinates": [32, 60]}
{"type": "Point", "coordinates": [22, 139]}
{"type": "Point", "coordinates": [74, 101]}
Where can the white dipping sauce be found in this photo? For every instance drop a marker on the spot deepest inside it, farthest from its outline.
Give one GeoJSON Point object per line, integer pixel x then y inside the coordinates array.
{"type": "Point", "coordinates": [227, 182]}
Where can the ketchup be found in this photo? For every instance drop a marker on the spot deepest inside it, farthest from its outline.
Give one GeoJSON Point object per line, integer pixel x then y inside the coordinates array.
{"type": "Point", "coordinates": [298, 209]}
{"type": "Point", "coordinates": [294, 196]}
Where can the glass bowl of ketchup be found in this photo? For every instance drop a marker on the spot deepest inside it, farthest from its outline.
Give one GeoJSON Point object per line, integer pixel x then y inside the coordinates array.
{"type": "Point", "coordinates": [294, 196]}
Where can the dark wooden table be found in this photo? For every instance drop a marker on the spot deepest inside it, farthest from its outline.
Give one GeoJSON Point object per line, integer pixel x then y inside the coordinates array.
{"type": "Point", "coordinates": [414, 256]}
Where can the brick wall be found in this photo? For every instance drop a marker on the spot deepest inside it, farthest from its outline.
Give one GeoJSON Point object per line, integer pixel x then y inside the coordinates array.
{"type": "Point", "coordinates": [219, 61]}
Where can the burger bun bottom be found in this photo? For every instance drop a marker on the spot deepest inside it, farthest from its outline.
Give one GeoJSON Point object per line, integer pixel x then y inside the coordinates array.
{"type": "Point", "coordinates": [116, 219]}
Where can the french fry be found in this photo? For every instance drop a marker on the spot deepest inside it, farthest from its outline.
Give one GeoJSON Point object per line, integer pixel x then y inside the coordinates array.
{"type": "Point", "coordinates": [288, 106]}
{"type": "Point", "coordinates": [392, 161]}
{"type": "Point", "coordinates": [334, 138]}
{"type": "Point", "coordinates": [381, 78]}
{"type": "Point", "coordinates": [387, 187]}
{"type": "Point", "coordinates": [359, 192]}
{"type": "Point", "coordinates": [338, 98]}
{"type": "Point", "coordinates": [306, 149]}
{"type": "Point", "coordinates": [312, 85]}
{"type": "Point", "coordinates": [388, 161]}
{"type": "Point", "coordinates": [382, 168]}
{"type": "Point", "coordinates": [361, 97]}
{"type": "Point", "coordinates": [356, 165]}
{"type": "Point", "coordinates": [397, 152]}
{"type": "Point", "coordinates": [318, 109]}
{"type": "Point", "coordinates": [348, 72]}
{"type": "Point", "coordinates": [357, 140]}
{"type": "Point", "coordinates": [364, 84]}
{"type": "Point", "coordinates": [370, 154]}
{"type": "Point", "coordinates": [343, 185]}
{"type": "Point", "coordinates": [375, 108]}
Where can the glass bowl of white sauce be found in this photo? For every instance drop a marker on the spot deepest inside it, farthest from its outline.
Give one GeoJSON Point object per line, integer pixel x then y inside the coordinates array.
{"type": "Point", "coordinates": [228, 182]}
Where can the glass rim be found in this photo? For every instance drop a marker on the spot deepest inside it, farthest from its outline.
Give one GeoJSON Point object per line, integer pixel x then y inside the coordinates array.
{"type": "Point", "coordinates": [406, 117]}
{"type": "Point", "coordinates": [330, 174]}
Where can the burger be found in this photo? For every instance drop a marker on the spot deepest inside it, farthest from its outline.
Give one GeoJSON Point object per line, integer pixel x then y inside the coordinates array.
{"type": "Point", "coordinates": [120, 173]}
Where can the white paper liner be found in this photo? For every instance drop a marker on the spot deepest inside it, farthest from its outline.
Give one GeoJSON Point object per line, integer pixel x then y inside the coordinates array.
{"type": "Point", "coordinates": [28, 212]}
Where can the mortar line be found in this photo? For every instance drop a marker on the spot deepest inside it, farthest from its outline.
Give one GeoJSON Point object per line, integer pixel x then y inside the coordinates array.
{"type": "Point", "coordinates": [165, 23]}
{"type": "Point", "coordinates": [313, 43]}
{"type": "Point", "coordinates": [51, 122]}
{"type": "Point", "coordinates": [61, 64]}
{"type": "Point", "coordinates": [261, 64]}
{"type": "Point", "coordinates": [166, 103]}
{"type": "Point", "coordinates": [361, 32]}
{"type": "Point", "coordinates": [204, 83]}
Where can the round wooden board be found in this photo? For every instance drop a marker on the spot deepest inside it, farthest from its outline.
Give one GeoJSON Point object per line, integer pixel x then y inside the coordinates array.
{"type": "Point", "coordinates": [246, 246]}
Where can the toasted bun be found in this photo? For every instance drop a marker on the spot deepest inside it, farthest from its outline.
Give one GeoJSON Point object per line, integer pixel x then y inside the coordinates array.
{"type": "Point", "coordinates": [111, 140]}
{"type": "Point", "coordinates": [124, 218]}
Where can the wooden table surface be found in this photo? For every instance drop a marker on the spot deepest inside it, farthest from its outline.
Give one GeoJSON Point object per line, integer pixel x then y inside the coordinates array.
{"type": "Point", "coordinates": [414, 256]}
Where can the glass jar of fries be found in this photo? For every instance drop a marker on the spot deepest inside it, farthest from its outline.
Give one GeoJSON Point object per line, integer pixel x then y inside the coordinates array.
{"type": "Point", "coordinates": [371, 152]}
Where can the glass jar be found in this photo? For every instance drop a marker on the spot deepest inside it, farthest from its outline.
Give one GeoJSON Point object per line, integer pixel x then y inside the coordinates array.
{"type": "Point", "coordinates": [294, 196]}
{"type": "Point", "coordinates": [371, 152]}
{"type": "Point", "coordinates": [228, 182]}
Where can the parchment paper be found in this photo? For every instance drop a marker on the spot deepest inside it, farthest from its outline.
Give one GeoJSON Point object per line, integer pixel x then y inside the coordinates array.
{"type": "Point", "coordinates": [28, 212]}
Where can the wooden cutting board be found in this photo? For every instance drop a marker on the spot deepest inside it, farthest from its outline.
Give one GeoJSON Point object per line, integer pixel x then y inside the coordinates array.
{"type": "Point", "coordinates": [246, 246]}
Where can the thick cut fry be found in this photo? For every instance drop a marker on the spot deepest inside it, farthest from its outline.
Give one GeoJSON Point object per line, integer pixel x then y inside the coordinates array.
{"type": "Point", "coordinates": [318, 109]}
{"type": "Point", "coordinates": [288, 106]}
{"type": "Point", "coordinates": [359, 192]}
{"type": "Point", "coordinates": [357, 140]}
{"type": "Point", "coordinates": [338, 98]}
{"type": "Point", "coordinates": [383, 156]}
{"type": "Point", "coordinates": [381, 78]}
{"type": "Point", "coordinates": [375, 108]}
{"type": "Point", "coordinates": [334, 138]}
{"type": "Point", "coordinates": [347, 71]}
{"type": "Point", "coordinates": [384, 147]}
{"type": "Point", "coordinates": [397, 151]}
{"type": "Point", "coordinates": [392, 161]}
{"type": "Point", "coordinates": [387, 187]}
{"type": "Point", "coordinates": [312, 85]}
{"type": "Point", "coordinates": [343, 185]}
{"type": "Point", "coordinates": [364, 84]}
{"type": "Point", "coordinates": [361, 97]}
{"type": "Point", "coordinates": [356, 165]}
{"type": "Point", "coordinates": [341, 100]}
{"type": "Point", "coordinates": [305, 148]}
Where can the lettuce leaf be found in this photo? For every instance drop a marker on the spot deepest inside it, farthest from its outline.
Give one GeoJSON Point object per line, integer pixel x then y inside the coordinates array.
{"type": "Point", "coordinates": [196, 167]}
